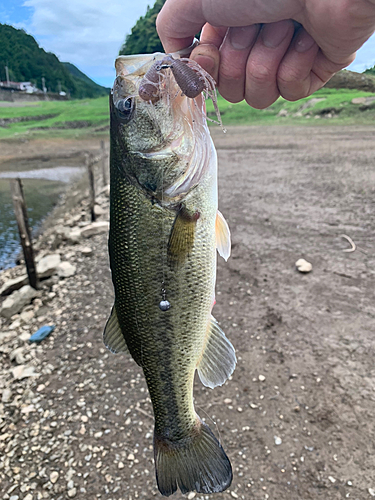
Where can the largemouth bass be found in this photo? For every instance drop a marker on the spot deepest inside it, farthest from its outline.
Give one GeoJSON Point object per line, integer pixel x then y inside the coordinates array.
{"type": "Point", "coordinates": [164, 231]}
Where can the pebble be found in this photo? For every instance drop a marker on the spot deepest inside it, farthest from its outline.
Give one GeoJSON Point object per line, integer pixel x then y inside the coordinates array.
{"type": "Point", "coordinates": [72, 493]}
{"type": "Point", "coordinates": [371, 491]}
{"type": "Point", "coordinates": [86, 250]}
{"type": "Point", "coordinates": [54, 476]}
{"type": "Point", "coordinates": [6, 396]}
{"type": "Point", "coordinates": [130, 456]}
{"type": "Point", "coordinates": [278, 440]}
{"type": "Point", "coordinates": [261, 378]}
{"type": "Point", "coordinates": [332, 479]}
{"type": "Point", "coordinates": [28, 497]}
{"type": "Point", "coordinates": [303, 266]}
{"type": "Point", "coordinates": [233, 494]}
{"type": "Point", "coordinates": [227, 401]}
{"type": "Point", "coordinates": [191, 495]}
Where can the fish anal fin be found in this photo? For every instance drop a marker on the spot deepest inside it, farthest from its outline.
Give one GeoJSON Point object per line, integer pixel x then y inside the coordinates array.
{"type": "Point", "coordinates": [181, 239]}
{"type": "Point", "coordinates": [223, 242]}
{"type": "Point", "coordinates": [112, 336]}
{"type": "Point", "coordinates": [196, 462]}
{"type": "Point", "coordinates": [218, 360]}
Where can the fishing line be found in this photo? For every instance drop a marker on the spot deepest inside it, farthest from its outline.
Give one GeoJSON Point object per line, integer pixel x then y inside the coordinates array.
{"type": "Point", "coordinates": [212, 420]}
{"type": "Point", "coordinates": [164, 304]}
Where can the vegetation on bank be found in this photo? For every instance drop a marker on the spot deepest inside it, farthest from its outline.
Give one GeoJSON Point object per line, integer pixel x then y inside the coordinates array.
{"type": "Point", "coordinates": [91, 116]}
{"type": "Point", "coordinates": [326, 106]}
{"type": "Point", "coordinates": [55, 118]}
{"type": "Point", "coordinates": [27, 62]}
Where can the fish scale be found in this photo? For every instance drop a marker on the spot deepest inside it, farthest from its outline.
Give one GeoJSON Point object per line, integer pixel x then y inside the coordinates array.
{"type": "Point", "coordinates": [164, 247]}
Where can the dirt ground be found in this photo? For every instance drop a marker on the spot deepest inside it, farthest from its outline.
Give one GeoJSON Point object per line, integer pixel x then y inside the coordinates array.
{"type": "Point", "coordinates": [297, 417]}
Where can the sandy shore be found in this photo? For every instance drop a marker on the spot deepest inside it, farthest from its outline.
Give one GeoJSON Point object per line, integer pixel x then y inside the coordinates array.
{"type": "Point", "coordinates": [297, 416]}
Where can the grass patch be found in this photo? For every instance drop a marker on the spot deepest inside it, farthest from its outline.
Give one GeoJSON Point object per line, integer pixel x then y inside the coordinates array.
{"type": "Point", "coordinates": [55, 118]}
{"type": "Point", "coordinates": [335, 107]}
{"type": "Point", "coordinates": [80, 118]}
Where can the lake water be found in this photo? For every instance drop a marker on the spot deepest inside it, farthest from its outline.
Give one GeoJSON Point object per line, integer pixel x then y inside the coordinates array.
{"type": "Point", "coordinates": [42, 188]}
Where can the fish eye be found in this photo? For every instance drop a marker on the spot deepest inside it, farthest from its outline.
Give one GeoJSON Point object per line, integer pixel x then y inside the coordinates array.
{"type": "Point", "coordinates": [125, 108]}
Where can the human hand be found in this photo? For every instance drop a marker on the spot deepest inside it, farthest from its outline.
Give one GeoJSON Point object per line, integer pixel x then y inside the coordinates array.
{"type": "Point", "coordinates": [256, 52]}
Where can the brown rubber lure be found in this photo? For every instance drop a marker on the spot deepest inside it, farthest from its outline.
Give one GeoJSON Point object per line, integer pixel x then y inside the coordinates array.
{"type": "Point", "coordinates": [189, 76]}
{"type": "Point", "coordinates": [189, 81]}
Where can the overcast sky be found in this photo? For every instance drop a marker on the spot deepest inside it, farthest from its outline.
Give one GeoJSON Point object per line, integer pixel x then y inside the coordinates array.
{"type": "Point", "coordinates": [89, 33]}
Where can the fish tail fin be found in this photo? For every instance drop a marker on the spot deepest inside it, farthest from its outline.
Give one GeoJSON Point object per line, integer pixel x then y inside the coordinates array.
{"type": "Point", "coordinates": [194, 463]}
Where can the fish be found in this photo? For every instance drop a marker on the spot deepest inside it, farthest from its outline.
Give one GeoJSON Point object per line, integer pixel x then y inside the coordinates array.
{"type": "Point", "coordinates": [165, 230]}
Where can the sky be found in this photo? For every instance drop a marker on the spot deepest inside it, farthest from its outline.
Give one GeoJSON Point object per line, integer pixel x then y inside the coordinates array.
{"type": "Point", "coordinates": [89, 33]}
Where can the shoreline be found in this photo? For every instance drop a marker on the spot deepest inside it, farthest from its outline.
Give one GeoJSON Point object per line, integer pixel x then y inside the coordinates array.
{"type": "Point", "coordinates": [57, 158]}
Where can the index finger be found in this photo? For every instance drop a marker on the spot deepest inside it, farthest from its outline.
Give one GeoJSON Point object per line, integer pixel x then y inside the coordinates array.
{"type": "Point", "coordinates": [178, 23]}
{"type": "Point", "coordinates": [180, 20]}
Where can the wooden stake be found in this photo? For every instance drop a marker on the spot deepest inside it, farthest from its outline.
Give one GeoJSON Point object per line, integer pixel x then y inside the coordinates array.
{"type": "Point", "coordinates": [24, 230]}
{"type": "Point", "coordinates": [90, 169]}
{"type": "Point", "coordinates": [104, 163]}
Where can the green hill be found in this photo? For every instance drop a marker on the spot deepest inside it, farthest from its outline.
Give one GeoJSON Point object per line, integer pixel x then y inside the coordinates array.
{"type": "Point", "coordinates": [85, 85]}
{"type": "Point", "coordinates": [27, 61]}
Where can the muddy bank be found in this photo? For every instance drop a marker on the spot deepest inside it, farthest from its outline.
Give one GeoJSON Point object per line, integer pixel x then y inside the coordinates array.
{"type": "Point", "coordinates": [297, 416]}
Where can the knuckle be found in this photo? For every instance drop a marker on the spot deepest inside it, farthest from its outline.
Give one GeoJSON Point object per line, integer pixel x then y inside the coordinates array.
{"type": "Point", "coordinates": [260, 74]}
{"type": "Point", "coordinates": [289, 76]}
{"type": "Point", "coordinates": [230, 73]}
{"type": "Point", "coordinates": [293, 84]}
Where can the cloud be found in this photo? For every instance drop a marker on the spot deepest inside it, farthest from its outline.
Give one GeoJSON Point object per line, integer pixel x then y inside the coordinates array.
{"type": "Point", "coordinates": [87, 33]}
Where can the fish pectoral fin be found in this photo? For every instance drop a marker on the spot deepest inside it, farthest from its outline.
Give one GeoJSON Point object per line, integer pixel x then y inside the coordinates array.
{"type": "Point", "coordinates": [218, 359]}
{"type": "Point", "coordinates": [112, 336]}
{"type": "Point", "coordinates": [223, 242]}
{"type": "Point", "coordinates": [181, 239]}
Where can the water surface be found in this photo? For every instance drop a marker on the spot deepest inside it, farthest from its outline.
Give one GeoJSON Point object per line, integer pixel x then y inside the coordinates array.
{"type": "Point", "coordinates": [42, 187]}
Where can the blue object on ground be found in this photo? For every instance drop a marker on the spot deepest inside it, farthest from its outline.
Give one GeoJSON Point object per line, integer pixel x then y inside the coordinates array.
{"type": "Point", "coordinates": [42, 333]}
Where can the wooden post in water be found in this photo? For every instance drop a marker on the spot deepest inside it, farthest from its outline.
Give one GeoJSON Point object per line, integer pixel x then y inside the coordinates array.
{"type": "Point", "coordinates": [90, 169]}
{"type": "Point", "coordinates": [104, 163]}
{"type": "Point", "coordinates": [24, 230]}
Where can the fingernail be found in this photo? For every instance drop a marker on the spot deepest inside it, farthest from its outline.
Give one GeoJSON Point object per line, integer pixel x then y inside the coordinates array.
{"type": "Point", "coordinates": [242, 37]}
{"type": "Point", "coordinates": [303, 41]}
{"type": "Point", "coordinates": [274, 33]}
{"type": "Point", "coordinates": [207, 62]}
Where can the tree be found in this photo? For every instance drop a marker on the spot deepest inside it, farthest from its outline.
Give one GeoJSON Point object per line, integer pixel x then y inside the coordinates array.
{"type": "Point", "coordinates": [143, 38]}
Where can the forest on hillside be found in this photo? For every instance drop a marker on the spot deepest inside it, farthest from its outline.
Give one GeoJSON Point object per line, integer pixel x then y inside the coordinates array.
{"type": "Point", "coordinates": [143, 38]}
{"type": "Point", "coordinates": [28, 62]}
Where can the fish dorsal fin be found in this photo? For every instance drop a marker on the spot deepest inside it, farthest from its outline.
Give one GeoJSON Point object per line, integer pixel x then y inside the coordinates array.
{"type": "Point", "coordinates": [182, 236]}
{"type": "Point", "coordinates": [218, 360]}
{"type": "Point", "coordinates": [112, 336]}
{"type": "Point", "coordinates": [223, 242]}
